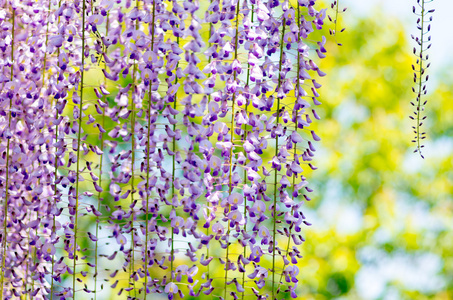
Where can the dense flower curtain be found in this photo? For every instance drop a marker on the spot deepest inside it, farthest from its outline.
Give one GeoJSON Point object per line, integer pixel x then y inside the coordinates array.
{"type": "Point", "coordinates": [156, 147]}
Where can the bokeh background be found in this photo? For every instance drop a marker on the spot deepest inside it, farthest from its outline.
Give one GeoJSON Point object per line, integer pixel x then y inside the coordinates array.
{"type": "Point", "coordinates": [382, 216]}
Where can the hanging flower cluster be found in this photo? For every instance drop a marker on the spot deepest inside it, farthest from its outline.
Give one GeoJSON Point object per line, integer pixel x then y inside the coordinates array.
{"type": "Point", "coordinates": [335, 5]}
{"type": "Point", "coordinates": [420, 76]}
{"type": "Point", "coordinates": [156, 146]}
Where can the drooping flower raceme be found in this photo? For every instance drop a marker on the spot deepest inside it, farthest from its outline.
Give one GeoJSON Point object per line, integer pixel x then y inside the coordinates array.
{"type": "Point", "coordinates": [159, 146]}
{"type": "Point", "coordinates": [420, 71]}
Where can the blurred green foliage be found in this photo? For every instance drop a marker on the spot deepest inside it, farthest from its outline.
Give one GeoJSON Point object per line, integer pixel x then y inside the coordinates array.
{"type": "Point", "coordinates": [382, 218]}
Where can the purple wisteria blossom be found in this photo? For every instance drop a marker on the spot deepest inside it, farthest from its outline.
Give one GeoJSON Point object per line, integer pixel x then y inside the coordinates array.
{"type": "Point", "coordinates": [156, 146]}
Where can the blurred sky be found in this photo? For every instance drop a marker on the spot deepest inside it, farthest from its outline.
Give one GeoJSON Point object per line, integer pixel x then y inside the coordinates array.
{"type": "Point", "coordinates": [441, 52]}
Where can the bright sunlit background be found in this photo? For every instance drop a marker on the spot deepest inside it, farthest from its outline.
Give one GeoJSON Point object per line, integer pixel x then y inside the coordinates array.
{"type": "Point", "coordinates": [382, 216]}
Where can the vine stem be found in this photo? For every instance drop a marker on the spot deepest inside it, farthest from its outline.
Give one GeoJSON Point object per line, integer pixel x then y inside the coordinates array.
{"type": "Point", "coordinates": [147, 161]}
{"type": "Point", "coordinates": [43, 84]}
{"type": "Point", "coordinates": [336, 20]}
{"type": "Point", "coordinates": [47, 38]}
{"type": "Point", "coordinates": [245, 171]}
{"type": "Point", "coordinates": [5, 208]}
{"type": "Point", "coordinates": [79, 133]}
{"type": "Point", "coordinates": [147, 189]}
{"type": "Point", "coordinates": [55, 176]}
{"type": "Point", "coordinates": [172, 253]}
{"type": "Point", "coordinates": [132, 262]}
{"type": "Point", "coordinates": [101, 159]}
{"type": "Point", "coordinates": [209, 101]}
{"type": "Point", "coordinates": [420, 83]}
{"type": "Point", "coordinates": [295, 148]}
{"type": "Point", "coordinates": [230, 184]}
{"type": "Point", "coordinates": [276, 171]}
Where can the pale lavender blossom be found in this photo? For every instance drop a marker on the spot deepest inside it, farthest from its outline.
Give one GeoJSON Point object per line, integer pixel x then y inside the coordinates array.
{"type": "Point", "coordinates": [125, 128]}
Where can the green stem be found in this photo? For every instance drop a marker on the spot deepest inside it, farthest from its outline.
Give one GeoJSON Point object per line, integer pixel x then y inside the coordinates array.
{"type": "Point", "coordinates": [147, 193]}
{"type": "Point", "coordinates": [209, 101]}
{"type": "Point", "coordinates": [230, 184]}
{"type": "Point", "coordinates": [276, 172]}
{"type": "Point", "coordinates": [28, 266]}
{"type": "Point", "coordinates": [55, 204]}
{"type": "Point", "coordinates": [420, 83]}
{"type": "Point", "coordinates": [55, 177]}
{"type": "Point", "coordinates": [43, 83]}
{"type": "Point", "coordinates": [172, 254]}
{"type": "Point", "coordinates": [98, 207]}
{"type": "Point", "coordinates": [100, 177]}
{"type": "Point", "coordinates": [245, 172]}
{"type": "Point", "coordinates": [33, 258]}
{"type": "Point", "coordinates": [45, 52]}
{"type": "Point", "coordinates": [132, 262]}
{"type": "Point", "coordinates": [336, 20]}
{"type": "Point", "coordinates": [79, 133]}
{"type": "Point", "coordinates": [5, 207]}
{"type": "Point", "coordinates": [295, 147]}
{"type": "Point", "coordinates": [147, 160]}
